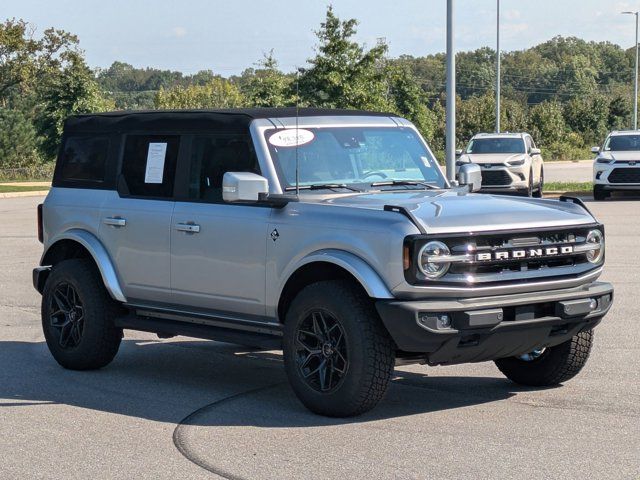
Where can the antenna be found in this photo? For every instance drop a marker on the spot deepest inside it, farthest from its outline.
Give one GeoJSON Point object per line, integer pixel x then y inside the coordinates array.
{"type": "Point", "coordinates": [298, 71]}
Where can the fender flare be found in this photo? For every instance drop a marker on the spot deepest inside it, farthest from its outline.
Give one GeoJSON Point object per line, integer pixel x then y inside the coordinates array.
{"type": "Point", "coordinates": [100, 257]}
{"type": "Point", "coordinates": [356, 266]}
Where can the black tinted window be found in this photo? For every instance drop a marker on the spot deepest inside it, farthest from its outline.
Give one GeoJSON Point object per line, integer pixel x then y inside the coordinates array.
{"type": "Point", "coordinates": [84, 158]}
{"type": "Point", "coordinates": [213, 156]}
{"type": "Point", "coordinates": [623, 143]}
{"type": "Point", "coordinates": [149, 164]}
{"type": "Point", "coordinates": [496, 145]}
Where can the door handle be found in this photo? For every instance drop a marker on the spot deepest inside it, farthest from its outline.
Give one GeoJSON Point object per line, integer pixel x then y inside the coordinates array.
{"type": "Point", "coordinates": [188, 227]}
{"type": "Point", "coordinates": [114, 221]}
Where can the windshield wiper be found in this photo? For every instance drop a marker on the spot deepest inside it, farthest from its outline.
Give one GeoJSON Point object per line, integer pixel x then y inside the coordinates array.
{"type": "Point", "coordinates": [391, 183]}
{"type": "Point", "coordinates": [323, 186]}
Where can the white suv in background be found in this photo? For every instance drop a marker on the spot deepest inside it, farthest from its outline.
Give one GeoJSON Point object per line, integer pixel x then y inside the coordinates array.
{"type": "Point", "coordinates": [510, 162]}
{"type": "Point", "coordinates": [617, 165]}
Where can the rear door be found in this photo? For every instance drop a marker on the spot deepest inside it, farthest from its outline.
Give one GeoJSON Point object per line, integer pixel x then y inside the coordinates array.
{"type": "Point", "coordinates": [218, 250]}
{"type": "Point", "coordinates": [135, 220]}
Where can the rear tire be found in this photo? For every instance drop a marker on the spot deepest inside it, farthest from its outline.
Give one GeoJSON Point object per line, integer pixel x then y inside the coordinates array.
{"type": "Point", "coordinates": [554, 366]}
{"type": "Point", "coordinates": [599, 193]}
{"type": "Point", "coordinates": [357, 352]}
{"type": "Point", "coordinates": [77, 316]}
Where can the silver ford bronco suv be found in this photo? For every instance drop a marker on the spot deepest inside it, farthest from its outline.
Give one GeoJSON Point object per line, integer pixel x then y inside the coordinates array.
{"type": "Point", "coordinates": [330, 234]}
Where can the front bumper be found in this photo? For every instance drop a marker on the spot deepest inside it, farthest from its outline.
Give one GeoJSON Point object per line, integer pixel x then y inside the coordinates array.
{"type": "Point", "coordinates": [495, 327]}
{"type": "Point", "coordinates": [39, 277]}
{"type": "Point", "coordinates": [617, 176]}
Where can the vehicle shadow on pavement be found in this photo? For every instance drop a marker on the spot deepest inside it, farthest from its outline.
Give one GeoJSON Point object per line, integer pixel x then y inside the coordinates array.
{"type": "Point", "coordinates": [212, 384]}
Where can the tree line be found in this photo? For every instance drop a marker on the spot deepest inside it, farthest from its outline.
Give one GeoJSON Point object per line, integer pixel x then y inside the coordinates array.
{"type": "Point", "coordinates": [568, 93]}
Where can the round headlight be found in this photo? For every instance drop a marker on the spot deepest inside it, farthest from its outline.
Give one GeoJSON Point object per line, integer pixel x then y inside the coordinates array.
{"type": "Point", "coordinates": [595, 239]}
{"type": "Point", "coordinates": [431, 259]}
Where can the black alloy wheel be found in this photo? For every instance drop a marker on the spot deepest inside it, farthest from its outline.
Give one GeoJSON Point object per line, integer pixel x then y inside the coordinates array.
{"type": "Point", "coordinates": [321, 351]}
{"type": "Point", "coordinates": [66, 315]}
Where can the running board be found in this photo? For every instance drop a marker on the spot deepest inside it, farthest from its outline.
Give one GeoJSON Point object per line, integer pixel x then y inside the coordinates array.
{"type": "Point", "coordinates": [169, 328]}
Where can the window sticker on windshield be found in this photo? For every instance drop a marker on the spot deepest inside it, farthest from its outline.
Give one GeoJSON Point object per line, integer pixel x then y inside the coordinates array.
{"type": "Point", "coordinates": [155, 163]}
{"type": "Point", "coordinates": [288, 138]}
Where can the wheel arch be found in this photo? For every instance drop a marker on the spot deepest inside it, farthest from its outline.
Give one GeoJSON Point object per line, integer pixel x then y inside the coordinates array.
{"type": "Point", "coordinates": [77, 243]}
{"type": "Point", "coordinates": [327, 265]}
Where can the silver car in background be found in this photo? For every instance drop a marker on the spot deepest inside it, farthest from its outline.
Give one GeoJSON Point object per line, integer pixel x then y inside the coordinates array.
{"type": "Point", "coordinates": [510, 163]}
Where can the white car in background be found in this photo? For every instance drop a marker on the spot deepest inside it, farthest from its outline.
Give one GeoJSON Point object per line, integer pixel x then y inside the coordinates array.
{"type": "Point", "coordinates": [510, 163]}
{"type": "Point", "coordinates": [617, 165]}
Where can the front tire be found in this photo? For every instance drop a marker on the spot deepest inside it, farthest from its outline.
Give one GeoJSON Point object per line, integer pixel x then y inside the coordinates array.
{"type": "Point", "coordinates": [599, 193]}
{"type": "Point", "coordinates": [338, 356]}
{"type": "Point", "coordinates": [77, 316]}
{"type": "Point", "coordinates": [553, 366]}
{"type": "Point", "coordinates": [538, 192]}
{"type": "Point", "coordinates": [528, 192]}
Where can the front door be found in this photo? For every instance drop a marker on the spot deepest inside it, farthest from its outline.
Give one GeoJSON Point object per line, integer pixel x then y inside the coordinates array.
{"type": "Point", "coordinates": [218, 250]}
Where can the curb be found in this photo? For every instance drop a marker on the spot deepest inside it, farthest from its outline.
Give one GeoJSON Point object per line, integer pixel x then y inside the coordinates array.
{"type": "Point", "coordinates": [34, 193]}
{"type": "Point", "coordinates": [26, 184]}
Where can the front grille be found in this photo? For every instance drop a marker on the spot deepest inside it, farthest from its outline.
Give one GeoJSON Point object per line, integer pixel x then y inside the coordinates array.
{"type": "Point", "coordinates": [625, 175]}
{"type": "Point", "coordinates": [495, 177]}
{"type": "Point", "coordinates": [515, 270]}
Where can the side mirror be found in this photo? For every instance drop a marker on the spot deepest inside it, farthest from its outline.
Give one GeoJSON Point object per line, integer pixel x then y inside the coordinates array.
{"type": "Point", "coordinates": [243, 187]}
{"type": "Point", "coordinates": [535, 151]}
{"type": "Point", "coordinates": [458, 153]}
{"type": "Point", "coordinates": [471, 175]}
{"type": "Point", "coordinates": [595, 150]}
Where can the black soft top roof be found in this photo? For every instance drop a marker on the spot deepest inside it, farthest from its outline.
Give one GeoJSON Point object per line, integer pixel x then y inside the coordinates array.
{"type": "Point", "coordinates": [228, 120]}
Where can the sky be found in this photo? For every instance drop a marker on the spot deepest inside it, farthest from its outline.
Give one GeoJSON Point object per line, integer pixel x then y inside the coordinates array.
{"type": "Point", "coordinates": [231, 35]}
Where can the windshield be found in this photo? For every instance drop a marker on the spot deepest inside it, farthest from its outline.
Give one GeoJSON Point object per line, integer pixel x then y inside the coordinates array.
{"type": "Point", "coordinates": [354, 156]}
{"type": "Point", "coordinates": [623, 143]}
{"type": "Point", "coordinates": [496, 145]}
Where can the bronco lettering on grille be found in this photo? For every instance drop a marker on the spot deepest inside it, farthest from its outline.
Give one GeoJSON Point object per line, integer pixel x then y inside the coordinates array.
{"type": "Point", "coordinates": [524, 253]}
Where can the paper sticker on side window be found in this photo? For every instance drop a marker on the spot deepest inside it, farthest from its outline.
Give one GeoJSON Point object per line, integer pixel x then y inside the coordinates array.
{"type": "Point", "coordinates": [155, 163]}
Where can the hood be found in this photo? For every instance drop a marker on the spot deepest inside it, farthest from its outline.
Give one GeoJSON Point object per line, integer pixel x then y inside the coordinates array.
{"type": "Point", "coordinates": [621, 156]}
{"type": "Point", "coordinates": [492, 157]}
{"type": "Point", "coordinates": [453, 212]}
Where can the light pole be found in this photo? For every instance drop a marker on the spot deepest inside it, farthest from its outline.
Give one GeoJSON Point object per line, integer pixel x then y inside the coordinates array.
{"type": "Point", "coordinates": [635, 94]}
{"type": "Point", "coordinates": [451, 96]}
{"type": "Point", "coordinates": [498, 66]}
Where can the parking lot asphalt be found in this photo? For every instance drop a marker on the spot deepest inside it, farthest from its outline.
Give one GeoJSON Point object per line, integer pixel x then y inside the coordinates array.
{"type": "Point", "coordinates": [569, 171]}
{"type": "Point", "coordinates": [185, 408]}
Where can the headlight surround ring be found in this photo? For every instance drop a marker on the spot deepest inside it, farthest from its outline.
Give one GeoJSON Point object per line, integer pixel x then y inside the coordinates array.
{"type": "Point", "coordinates": [433, 270]}
{"type": "Point", "coordinates": [597, 238]}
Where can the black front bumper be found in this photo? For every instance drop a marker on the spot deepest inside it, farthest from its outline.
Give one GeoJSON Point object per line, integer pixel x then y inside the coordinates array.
{"type": "Point", "coordinates": [478, 329]}
{"type": "Point", "coordinates": [39, 277]}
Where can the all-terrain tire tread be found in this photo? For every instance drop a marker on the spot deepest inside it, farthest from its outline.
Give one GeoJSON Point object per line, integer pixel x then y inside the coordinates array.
{"type": "Point", "coordinates": [563, 363]}
{"type": "Point", "coordinates": [105, 337]}
{"type": "Point", "coordinates": [379, 360]}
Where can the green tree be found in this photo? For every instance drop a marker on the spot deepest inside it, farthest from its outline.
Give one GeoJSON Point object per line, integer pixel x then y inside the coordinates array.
{"type": "Point", "coordinates": [72, 90]}
{"type": "Point", "coordinates": [475, 115]}
{"type": "Point", "coordinates": [218, 93]}
{"type": "Point", "coordinates": [343, 74]}
{"type": "Point", "coordinates": [588, 117]}
{"type": "Point", "coordinates": [46, 78]}
{"type": "Point", "coordinates": [546, 122]}
{"type": "Point", "coordinates": [408, 100]}
{"type": "Point", "coordinates": [267, 86]}
{"type": "Point", "coordinates": [18, 140]}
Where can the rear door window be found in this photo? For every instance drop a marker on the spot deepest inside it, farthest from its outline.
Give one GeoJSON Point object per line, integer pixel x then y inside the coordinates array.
{"type": "Point", "coordinates": [149, 165]}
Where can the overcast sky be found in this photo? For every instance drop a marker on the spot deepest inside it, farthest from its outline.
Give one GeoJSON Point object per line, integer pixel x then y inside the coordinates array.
{"type": "Point", "coordinates": [227, 36]}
